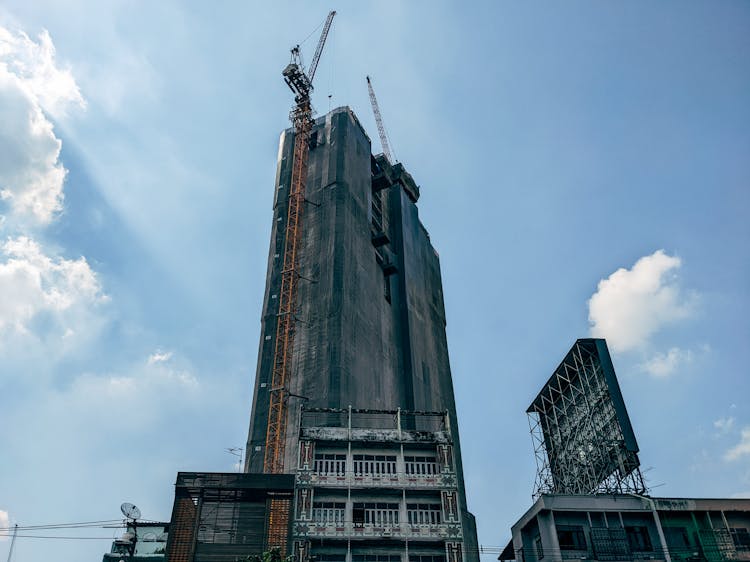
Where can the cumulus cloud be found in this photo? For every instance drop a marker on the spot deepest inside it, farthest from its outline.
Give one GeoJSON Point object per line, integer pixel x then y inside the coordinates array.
{"type": "Point", "coordinates": [665, 364]}
{"type": "Point", "coordinates": [33, 62]}
{"type": "Point", "coordinates": [32, 86]}
{"type": "Point", "coordinates": [42, 296]}
{"type": "Point", "coordinates": [740, 449]}
{"type": "Point", "coordinates": [631, 305]}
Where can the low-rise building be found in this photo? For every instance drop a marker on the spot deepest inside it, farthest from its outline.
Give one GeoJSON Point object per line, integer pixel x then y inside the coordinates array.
{"type": "Point", "coordinates": [377, 486]}
{"type": "Point", "coordinates": [631, 527]}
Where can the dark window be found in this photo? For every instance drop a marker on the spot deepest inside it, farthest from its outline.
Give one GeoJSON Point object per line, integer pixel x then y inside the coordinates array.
{"type": "Point", "coordinates": [376, 558]}
{"type": "Point", "coordinates": [639, 539]}
{"type": "Point", "coordinates": [358, 515]}
{"type": "Point", "coordinates": [740, 537]}
{"type": "Point", "coordinates": [677, 538]}
{"type": "Point", "coordinates": [426, 557]}
{"type": "Point", "coordinates": [326, 557]}
{"type": "Point", "coordinates": [571, 537]}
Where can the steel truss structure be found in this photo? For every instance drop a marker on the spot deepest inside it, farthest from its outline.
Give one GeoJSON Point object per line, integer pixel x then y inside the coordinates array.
{"type": "Point", "coordinates": [583, 440]}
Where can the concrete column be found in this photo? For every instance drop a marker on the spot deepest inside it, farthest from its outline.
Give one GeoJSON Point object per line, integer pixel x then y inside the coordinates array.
{"type": "Point", "coordinates": [548, 532]}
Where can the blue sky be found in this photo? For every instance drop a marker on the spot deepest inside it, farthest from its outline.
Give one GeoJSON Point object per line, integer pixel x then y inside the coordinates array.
{"type": "Point", "coordinates": [584, 170]}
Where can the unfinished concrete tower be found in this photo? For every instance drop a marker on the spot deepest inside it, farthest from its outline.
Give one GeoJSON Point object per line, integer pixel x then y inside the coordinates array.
{"type": "Point", "coordinates": [370, 420]}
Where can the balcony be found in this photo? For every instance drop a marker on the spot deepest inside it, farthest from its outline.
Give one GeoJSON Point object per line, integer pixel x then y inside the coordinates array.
{"type": "Point", "coordinates": [442, 481]}
{"type": "Point", "coordinates": [313, 529]}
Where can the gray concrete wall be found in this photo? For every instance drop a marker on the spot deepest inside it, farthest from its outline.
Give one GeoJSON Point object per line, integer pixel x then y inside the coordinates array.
{"type": "Point", "coordinates": [352, 346]}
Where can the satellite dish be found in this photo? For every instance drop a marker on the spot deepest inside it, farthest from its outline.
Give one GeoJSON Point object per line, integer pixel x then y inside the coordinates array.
{"type": "Point", "coordinates": [130, 511]}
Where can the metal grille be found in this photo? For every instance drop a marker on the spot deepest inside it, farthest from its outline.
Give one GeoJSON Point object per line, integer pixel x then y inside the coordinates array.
{"type": "Point", "coordinates": [578, 431]}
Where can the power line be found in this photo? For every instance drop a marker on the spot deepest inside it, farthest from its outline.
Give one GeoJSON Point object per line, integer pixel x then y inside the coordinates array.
{"type": "Point", "coordinates": [82, 524]}
{"type": "Point", "coordinates": [65, 538]}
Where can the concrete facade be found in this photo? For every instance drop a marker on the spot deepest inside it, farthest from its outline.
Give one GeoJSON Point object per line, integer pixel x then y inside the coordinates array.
{"type": "Point", "coordinates": [368, 487]}
{"type": "Point", "coordinates": [370, 330]}
{"type": "Point", "coordinates": [630, 527]}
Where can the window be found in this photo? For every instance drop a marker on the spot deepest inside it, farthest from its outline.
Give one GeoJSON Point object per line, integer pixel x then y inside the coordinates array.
{"type": "Point", "coordinates": [639, 539]}
{"type": "Point", "coordinates": [378, 514]}
{"type": "Point", "coordinates": [424, 513]}
{"type": "Point", "coordinates": [677, 538]}
{"type": "Point", "coordinates": [330, 464]}
{"type": "Point", "coordinates": [376, 558]}
{"type": "Point", "coordinates": [571, 537]}
{"type": "Point", "coordinates": [329, 513]}
{"type": "Point", "coordinates": [374, 465]}
{"type": "Point", "coordinates": [426, 557]}
{"type": "Point", "coordinates": [329, 557]}
{"type": "Point", "coordinates": [421, 466]}
{"type": "Point", "coordinates": [740, 538]}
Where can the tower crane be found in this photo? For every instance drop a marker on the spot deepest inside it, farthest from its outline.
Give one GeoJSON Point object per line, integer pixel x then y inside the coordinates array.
{"type": "Point", "coordinates": [379, 122]}
{"type": "Point", "coordinates": [301, 84]}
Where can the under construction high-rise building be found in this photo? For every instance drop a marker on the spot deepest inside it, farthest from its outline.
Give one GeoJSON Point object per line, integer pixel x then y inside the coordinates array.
{"type": "Point", "coordinates": [370, 427]}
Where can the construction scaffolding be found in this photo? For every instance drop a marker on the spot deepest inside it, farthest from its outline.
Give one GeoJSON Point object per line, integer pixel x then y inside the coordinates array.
{"type": "Point", "coordinates": [583, 440]}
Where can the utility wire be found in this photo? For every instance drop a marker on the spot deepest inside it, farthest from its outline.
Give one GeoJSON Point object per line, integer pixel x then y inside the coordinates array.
{"type": "Point", "coordinates": [65, 538]}
{"type": "Point", "coordinates": [82, 524]}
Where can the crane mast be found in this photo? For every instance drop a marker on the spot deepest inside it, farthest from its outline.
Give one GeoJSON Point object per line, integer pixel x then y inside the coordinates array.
{"type": "Point", "coordinates": [379, 122]}
{"type": "Point", "coordinates": [300, 82]}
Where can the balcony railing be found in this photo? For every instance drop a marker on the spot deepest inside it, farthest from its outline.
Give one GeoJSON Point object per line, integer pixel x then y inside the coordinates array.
{"type": "Point", "coordinates": [443, 480]}
{"type": "Point", "coordinates": [313, 529]}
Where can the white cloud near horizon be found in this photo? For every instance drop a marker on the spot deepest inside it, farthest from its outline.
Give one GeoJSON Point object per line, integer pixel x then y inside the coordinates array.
{"type": "Point", "coordinates": [42, 297]}
{"type": "Point", "coordinates": [32, 87]}
{"type": "Point", "coordinates": [4, 524]}
{"type": "Point", "coordinates": [740, 449]}
{"type": "Point", "coordinates": [632, 305]}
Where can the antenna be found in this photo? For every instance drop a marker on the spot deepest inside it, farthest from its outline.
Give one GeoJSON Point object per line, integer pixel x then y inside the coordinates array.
{"type": "Point", "coordinates": [236, 452]}
{"type": "Point", "coordinates": [130, 511]}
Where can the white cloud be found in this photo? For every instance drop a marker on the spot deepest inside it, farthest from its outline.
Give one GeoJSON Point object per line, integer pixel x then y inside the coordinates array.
{"type": "Point", "coordinates": [33, 62]}
{"type": "Point", "coordinates": [724, 425]}
{"type": "Point", "coordinates": [159, 357]}
{"type": "Point", "coordinates": [631, 305]}
{"type": "Point", "coordinates": [4, 524]}
{"type": "Point", "coordinates": [137, 395]}
{"type": "Point", "coordinates": [665, 364]}
{"type": "Point", "coordinates": [741, 495]}
{"type": "Point", "coordinates": [32, 87]}
{"type": "Point", "coordinates": [44, 297]}
{"type": "Point", "coordinates": [741, 448]}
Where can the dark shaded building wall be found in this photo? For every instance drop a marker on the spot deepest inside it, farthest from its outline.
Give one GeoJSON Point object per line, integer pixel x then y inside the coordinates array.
{"type": "Point", "coordinates": [356, 342]}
